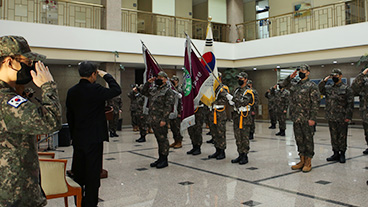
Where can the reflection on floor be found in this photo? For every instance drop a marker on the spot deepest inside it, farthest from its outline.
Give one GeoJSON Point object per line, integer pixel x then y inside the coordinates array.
{"type": "Point", "coordinates": [266, 180]}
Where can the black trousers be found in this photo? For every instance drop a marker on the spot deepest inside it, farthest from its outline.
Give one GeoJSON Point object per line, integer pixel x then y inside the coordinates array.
{"type": "Point", "coordinates": [86, 167]}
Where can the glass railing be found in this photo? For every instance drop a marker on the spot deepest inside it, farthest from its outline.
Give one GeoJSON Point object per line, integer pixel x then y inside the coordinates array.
{"type": "Point", "coordinates": [331, 15]}
{"type": "Point", "coordinates": [67, 13]}
{"type": "Point", "coordinates": [149, 23]}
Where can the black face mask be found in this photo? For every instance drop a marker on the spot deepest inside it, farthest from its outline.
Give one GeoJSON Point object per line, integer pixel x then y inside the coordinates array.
{"type": "Point", "coordinates": [335, 79]}
{"type": "Point", "coordinates": [240, 82]}
{"type": "Point", "coordinates": [158, 82]}
{"type": "Point", "coordinates": [24, 74]}
{"type": "Point", "coordinates": [301, 75]}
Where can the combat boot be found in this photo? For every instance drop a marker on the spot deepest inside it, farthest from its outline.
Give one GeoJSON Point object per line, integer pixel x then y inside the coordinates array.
{"type": "Point", "coordinates": [173, 144]}
{"type": "Point", "coordinates": [221, 154]}
{"type": "Point", "coordinates": [251, 136]}
{"type": "Point", "coordinates": [342, 157]}
{"type": "Point", "coordinates": [282, 133]}
{"type": "Point", "coordinates": [307, 164]}
{"type": "Point", "coordinates": [197, 150]}
{"type": "Point", "coordinates": [300, 164]}
{"type": "Point", "coordinates": [141, 139]}
{"type": "Point", "coordinates": [236, 160]}
{"type": "Point", "coordinates": [244, 159]}
{"type": "Point", "coordinates": [214, 155]}
{"type": "Point", "coordinates": [273, 126]}
{"type": "Point", "coordinates": [210, 141]}
{"type": "Point", "coordinates": [111, 134]}
{"type": "Point", "coordinates": [154, 164]}
{"type": "Point", "coordinates": [115, 135]}
{"type": "Point", "coordinates": [163, 163]}
{"type": "Point", "coordinates": [278, 133]}
{"type": "Point", "coordinates": [365, 151]}
{"type": "Point", "coordinates": [334, 157]}
{"type": "Point", "coordinates": [178, 145]}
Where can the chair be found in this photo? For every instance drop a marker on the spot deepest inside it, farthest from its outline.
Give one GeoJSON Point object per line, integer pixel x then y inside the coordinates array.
{"type": "Point", "coordinates": [54, 182]}
{"type": "Point", "coordinates": [46, 155]}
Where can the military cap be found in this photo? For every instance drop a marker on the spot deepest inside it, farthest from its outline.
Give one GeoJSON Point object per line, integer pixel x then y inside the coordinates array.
{"type": "Point", "coordinates": [242, 75]}
{"type": "Point", "coordinates": [336, 71]}
{"type": "Point", "coordinates": [174, 78]}
{"type": "Point", "coordinates": [304, 67]}
{"type": "Point", "coordinates": [162, 74]}
{"type": "Point", "coordinates": [17, 45]}
{"type": "Point", "coordinates": [249, 82]}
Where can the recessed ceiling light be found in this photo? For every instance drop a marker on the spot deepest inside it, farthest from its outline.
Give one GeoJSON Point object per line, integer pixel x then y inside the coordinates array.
{"type": "Point", "coordinates": [352, 63]}
{"type": "Point", "coordinates": [254, 68]}
{"type": "Point", "coordinates": [278, 66]}
{"type": "Point", "coordinates": [322, 66]}
{"type": "Point", "coordinates": [334, 62]}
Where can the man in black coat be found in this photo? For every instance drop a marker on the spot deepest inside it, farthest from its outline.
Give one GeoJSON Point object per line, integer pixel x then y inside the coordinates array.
{"type": "Point", "coordinates": [85, 105]}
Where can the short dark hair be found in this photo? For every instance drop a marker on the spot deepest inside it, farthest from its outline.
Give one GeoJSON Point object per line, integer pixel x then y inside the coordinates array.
{"type": "Point", "coordinates": [86, 68]}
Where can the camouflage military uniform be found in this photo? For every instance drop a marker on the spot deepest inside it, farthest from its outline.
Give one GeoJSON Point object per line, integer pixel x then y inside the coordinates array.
{"type": "Point", "coordinates": [117, 105]}
{"type": "Point", "coordinates": [19, 166]}
{"type": "Point", "coordinates": [253, 110]}
{"type": "Point", "coordinates": [339, 106]}
{"type": "Point", "coordinates": [195, 131]}
{"type": "Point", "coordinates": [175, 118]}
{"type": "Point", "coordinates": [304, 104]}
{"type": "Point", "coordinates": [360, 87]}
{"type": "Point", "coordinates": [133, 108]}
{"type": "Point", "coordinates": [142, 121]}
{"type": "Point", "coordinates": [218, 117]}
{"type": "Point", "coordinates": [242, 120]}
{"type": "Point", "coordinates": [282, 100]}
{"type": "Point", "coordinates": [271, 108]}
{"type": "Point", "coordinates": [161, 105]}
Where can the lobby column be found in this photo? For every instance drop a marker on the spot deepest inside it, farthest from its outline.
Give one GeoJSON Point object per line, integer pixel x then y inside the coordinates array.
{"type": "Point", "coordinates": [112, 15]}
{"type": "Point", "coordinates": [235, 15]}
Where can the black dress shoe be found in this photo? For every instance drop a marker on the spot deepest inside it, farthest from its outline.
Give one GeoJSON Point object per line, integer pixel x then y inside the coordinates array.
{"type": "Point", "coordinates": [142, 139]}
{"type": "Point", "coordinates": [210, 141]}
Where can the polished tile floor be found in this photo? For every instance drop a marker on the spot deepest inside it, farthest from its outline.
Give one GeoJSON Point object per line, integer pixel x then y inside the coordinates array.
{"type": "Point", "coordinates": [266, 180]}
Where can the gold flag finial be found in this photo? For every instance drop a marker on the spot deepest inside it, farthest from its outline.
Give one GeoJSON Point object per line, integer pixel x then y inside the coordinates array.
{"type": "Point", "coordinates": [209, 18]}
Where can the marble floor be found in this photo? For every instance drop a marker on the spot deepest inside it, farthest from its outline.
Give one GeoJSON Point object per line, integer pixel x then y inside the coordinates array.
{"type": "Point", "coordinates": [266, 180]}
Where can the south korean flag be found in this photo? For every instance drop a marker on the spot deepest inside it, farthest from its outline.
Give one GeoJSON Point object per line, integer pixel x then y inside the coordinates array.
{"type": "Point", "coordinates": [16, 101]}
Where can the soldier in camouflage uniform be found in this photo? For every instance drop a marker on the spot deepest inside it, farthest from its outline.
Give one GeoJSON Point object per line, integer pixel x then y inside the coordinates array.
{"type": "Point", "coordinates": [304, 104]}
{"type": "Point", "coordinates": [218, 120]}
{"type": "Point", "coordinates": [253, 110]}
{"type": "Point", "coordinates": [339, 111]}
{"type": "Point", "coordinates": [282, 100]}
{"type": "Point", "coordinates": [21, 121]}
{"type": "Point", "coordinates": [161, 105]}
{"type": "Point", "coordinates": [271, 108]}
{"type": "Point", "coordinates": [242, 100]}
{"type": "Point", "coordinates": [133, 107]}
{"type": "Point", "coordinates": [117, 105]}
{"type": "Point", "coordinates": [142, 121]}
{"type": "Point", "coordinates": [175, 117]}
{"type": "Point", "coordinates": [360, 87]}
{"type": "Point", "coordinates": [195, 131]}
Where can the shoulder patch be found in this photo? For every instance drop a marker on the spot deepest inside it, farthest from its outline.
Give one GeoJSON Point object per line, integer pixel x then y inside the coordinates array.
{"type": "Point", "coordinates": [16, 101]}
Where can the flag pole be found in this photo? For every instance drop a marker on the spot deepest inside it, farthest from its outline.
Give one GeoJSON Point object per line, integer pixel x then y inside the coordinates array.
{"type": "Point", "coordinates": [153, 58]}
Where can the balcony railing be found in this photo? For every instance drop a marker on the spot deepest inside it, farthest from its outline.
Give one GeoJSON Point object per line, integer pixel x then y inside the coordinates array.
{"type": "Point", "coordinates": [149, 23]}
{"type": "Point", "coordinates": [67, 13]}
{"type": "Point", "coordinates": [88, 15]}
{"type": "Point", "coordinates": [331, 15]}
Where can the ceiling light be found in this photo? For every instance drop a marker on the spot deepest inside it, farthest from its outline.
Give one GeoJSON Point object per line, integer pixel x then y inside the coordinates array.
{"type": "Point", "coordinates": [322, 66]}
{"type": "Point", "coordinates": [278, 66]}
{"type": "Point", "coordinates": [352, 63]}
{"type": "Point", "coordinates": [254, 68]}
{"type": "Point", "coordinates": [334, 62]}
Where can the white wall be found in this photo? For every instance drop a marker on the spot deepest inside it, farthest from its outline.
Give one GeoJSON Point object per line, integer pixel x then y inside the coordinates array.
{"type": "Point", "coordinates": [217, 10]}
{"type": "Point", "coordinates": [166, 7]}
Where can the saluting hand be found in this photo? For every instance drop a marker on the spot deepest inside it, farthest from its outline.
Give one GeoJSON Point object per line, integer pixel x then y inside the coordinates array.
{"type": "Point", "coordinates": [326, 79]}
{"type": "Point", "coordinates": [42, 74]}
{"type": "Point", "coordinates": [365, 71]}
{"type": "Point", "coordinates": [151, 80]}
{"type": "Point", "coordinates": [101, 73]}
{"type": "Point", "coordinates": [293, 74]}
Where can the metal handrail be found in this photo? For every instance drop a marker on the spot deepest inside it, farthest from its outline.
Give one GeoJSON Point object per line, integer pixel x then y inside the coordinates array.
{"type": "Point", "coordinates": [82, 3]}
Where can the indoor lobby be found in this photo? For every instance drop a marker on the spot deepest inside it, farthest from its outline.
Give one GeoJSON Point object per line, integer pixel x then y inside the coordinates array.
{"type": "Point", "coordinates": [267, 180]}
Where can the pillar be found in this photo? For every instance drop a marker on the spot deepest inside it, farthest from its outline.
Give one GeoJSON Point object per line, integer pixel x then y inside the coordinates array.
{"type": "Point", "coordinates": [235, 15]}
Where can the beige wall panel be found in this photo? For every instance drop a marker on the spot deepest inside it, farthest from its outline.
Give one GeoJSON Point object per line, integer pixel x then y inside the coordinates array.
{"type": "Point", "coordinates": [183, 8]}
{"type": "Point", "coordinates": [145, 5]}
{"type": "Point", "coordinates": [200, 11]}
{"type": "Point", "coordinates": [250, 11]}
{"type": "Point", "coordinates": [128, 4]}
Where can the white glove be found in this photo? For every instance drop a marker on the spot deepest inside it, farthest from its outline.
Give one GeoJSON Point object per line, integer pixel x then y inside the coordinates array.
{"type": "Point", "coordinates": [231, 103]}
{"type": "Point", "coordinates": [179, 95]}
{"type": "Point", "coordinates": [229, 97]}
